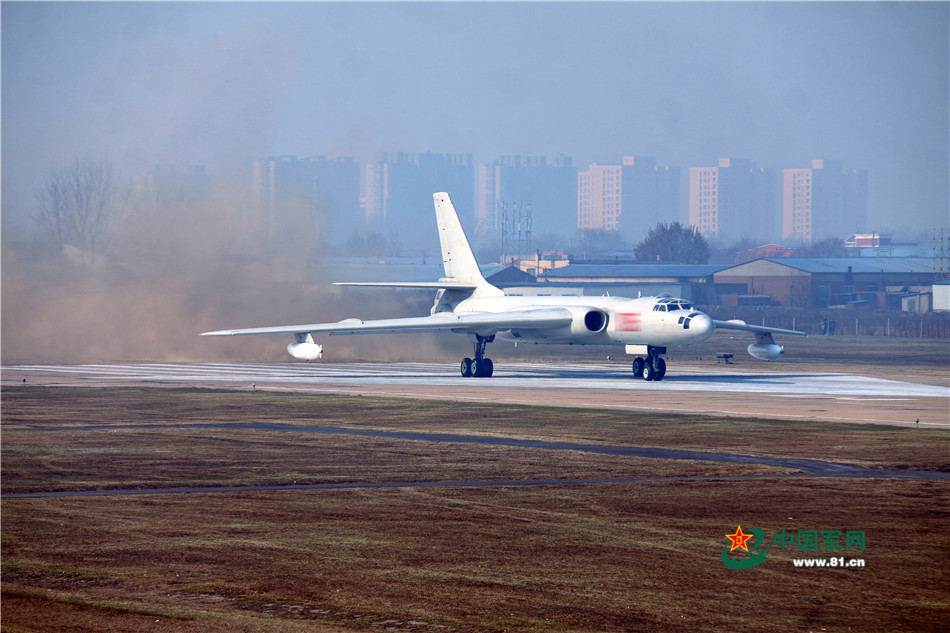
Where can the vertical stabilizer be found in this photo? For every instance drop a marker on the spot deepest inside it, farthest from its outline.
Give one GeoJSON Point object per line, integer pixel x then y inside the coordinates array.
{"type": "Point", "coordinates": [457, 257]}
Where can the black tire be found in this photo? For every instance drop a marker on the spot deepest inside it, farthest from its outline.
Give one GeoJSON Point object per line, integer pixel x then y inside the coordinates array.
{"type": "Point", "coordinates": [649, 373]}
{"type": "Point", "coordinates": [660, 369]}
{"type": "Point", "coordinates": [478, 368]}
{"type": "Point", "coordinates": [466, 367]}
{"type": "Point", "coordinates": [488, 368]}
{"type": "Point", "coordinates": [638, 367]}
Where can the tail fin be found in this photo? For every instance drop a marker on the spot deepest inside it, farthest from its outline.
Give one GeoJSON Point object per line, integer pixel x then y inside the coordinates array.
{"type": "Point", "coordinates": [457, 256]}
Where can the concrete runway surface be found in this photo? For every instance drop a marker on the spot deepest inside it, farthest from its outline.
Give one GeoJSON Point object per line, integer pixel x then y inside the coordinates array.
{"type": "Point", "coordinates": [715, 391]}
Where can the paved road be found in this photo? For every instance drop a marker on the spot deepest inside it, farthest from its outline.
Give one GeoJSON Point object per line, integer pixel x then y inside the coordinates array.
{"type": "Point", "coordinates": [720, 391]}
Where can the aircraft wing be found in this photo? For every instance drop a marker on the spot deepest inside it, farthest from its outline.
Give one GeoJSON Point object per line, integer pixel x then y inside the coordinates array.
{"type": "Point", "coordinates": [758, 329]}
{"type": "Point", "coordinates": [484, 323]}
{"type": "Point", "coordinates": [432, 285]}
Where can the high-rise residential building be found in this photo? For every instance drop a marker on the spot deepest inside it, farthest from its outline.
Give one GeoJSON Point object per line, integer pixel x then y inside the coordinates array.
{"type": "Point", "coordinates": [824, 201]}
{"type": "Point", "coordinates": [599, 197]}
{"type": "Point", "coordinates": [397, 194]}
{"type": "Point", "coordinates": [732, 201]}
{"type": "Point", "coordinates": [650, 194]}
{"type": "Point", "coordinates": [631, 197]}
{"type": "Point", "coordinates": [548, 188]}
{"type": "Point", "coordinates": [327, 187]}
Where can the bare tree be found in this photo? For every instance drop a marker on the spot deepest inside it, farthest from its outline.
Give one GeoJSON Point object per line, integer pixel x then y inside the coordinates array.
{"type": "Point", "coordinates": [77, 203]}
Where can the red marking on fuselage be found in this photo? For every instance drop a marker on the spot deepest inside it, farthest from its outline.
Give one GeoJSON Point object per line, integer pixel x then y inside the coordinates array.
{"type": "Point", "coordinates": [627, 321]}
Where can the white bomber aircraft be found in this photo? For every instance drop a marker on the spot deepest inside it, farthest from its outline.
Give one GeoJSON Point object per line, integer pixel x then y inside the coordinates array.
{"type": "Point", "coordinates": [468, 305]}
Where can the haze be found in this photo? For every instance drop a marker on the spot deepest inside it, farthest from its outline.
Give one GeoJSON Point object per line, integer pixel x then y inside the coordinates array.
{"type": "Point", "coordinates": [224, 84]}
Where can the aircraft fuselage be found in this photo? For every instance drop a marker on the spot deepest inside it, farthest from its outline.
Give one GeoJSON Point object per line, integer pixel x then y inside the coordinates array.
{"type": "Point", "coordinates": [658, 321]}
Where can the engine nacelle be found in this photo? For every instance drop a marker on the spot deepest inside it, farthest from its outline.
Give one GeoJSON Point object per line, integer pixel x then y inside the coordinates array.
{"type": "Point", "coordinates": [766, 351]}
{"type": "Point", "coordinates": [305, 348]}
{"type": "Point", "coordinates": [587, 321]}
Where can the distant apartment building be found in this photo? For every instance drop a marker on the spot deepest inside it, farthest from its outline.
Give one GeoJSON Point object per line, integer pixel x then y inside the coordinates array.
{"type": "Point", "coordinates": [327, 187]}
{"type": "Point", "coordinates": [732, 201]}
{"type": "Point", "coordinates": [598, 197]}
{"type": "Point", "coordinates": [650, 194]}
{"type": "Point", "coordinates": [631, 197]}
{"type": "Point", "coordinates": [548, 188]}
{"type": "Point", "coordinates": [823, 201]}
{"type": "Point", "coordinates": [397, 194]}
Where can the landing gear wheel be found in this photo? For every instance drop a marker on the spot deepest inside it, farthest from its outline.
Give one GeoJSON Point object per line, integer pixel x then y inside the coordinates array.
{"type": "Point", "coordinates": [660, 369]}
{"type": "Point", "coordinates": [649, 373]}
{"type": "Point", "coordinates": [478, 367]}
{"type": "Point", "coordinates": [638, 365]}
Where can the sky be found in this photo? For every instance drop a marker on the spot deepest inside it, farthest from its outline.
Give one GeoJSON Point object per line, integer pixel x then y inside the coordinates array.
{"type": "Point", "coordinates": [223, 84]}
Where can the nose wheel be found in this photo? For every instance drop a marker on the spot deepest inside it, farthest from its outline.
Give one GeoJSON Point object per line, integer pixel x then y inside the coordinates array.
{"type": "Point", "coordinates": [478, 367]}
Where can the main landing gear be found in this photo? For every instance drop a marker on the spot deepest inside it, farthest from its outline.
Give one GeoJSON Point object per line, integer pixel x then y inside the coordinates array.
{"type": "Point", "coordinates": [653, 367]}
{"type": "Point", "coordinates": [478, 367]}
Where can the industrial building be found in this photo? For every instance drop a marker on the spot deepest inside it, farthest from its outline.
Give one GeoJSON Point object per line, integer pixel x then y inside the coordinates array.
{"type": "Point", "coordinates": [875, 282]}
{"type": "Point", "coordinates": [882, 283]}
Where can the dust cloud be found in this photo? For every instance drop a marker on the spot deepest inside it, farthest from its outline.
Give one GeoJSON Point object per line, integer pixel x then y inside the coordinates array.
{"type": "Point", "coordinates": [175, 268]}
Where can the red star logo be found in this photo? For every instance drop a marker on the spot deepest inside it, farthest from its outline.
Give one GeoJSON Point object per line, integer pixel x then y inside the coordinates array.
{"type": "Point", "coordinates": [739, 539]}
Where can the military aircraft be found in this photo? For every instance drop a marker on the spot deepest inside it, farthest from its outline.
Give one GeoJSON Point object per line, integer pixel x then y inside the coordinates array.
{"type": "Point", "coordinates": [466, 304]}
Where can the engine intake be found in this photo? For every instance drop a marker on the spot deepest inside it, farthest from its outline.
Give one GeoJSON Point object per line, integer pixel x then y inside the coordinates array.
{"type": "Point", "coordinates": [595, 321]}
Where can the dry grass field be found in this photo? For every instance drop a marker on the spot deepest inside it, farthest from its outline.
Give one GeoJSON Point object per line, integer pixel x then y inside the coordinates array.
{"type": "Point", "coordinates": [612, 556]}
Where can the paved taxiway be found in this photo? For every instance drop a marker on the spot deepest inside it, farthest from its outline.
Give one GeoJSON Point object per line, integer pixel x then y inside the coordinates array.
{"type": "Point", "coordinates": [719, 391]}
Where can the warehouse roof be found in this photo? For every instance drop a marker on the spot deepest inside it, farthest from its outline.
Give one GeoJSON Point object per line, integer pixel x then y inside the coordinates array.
{"type": "Point", "coordinates": [633, 271]}
{"type": "Point", "coordinates": [815, 265]}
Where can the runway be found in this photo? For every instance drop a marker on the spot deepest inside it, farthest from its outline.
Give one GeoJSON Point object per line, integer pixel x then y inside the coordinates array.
{"type": "Point", "coordinates": [721, 391]}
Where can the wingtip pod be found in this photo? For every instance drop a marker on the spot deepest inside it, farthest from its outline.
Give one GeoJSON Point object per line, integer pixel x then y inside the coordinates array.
{"type": "Point", "coordinates": [765, 348]}
{"type": "Point", "coordinates": [305, 351]}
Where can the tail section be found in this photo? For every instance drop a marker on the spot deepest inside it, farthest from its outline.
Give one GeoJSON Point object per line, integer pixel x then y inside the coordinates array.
{"type": "Point", "coordinates": [457, 256]}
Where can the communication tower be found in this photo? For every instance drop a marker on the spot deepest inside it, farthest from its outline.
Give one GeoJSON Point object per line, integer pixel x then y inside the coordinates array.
{"type": "Point", "coordinates": [515, 229]}
{"type": "Point", "coordinates": [941, 254]}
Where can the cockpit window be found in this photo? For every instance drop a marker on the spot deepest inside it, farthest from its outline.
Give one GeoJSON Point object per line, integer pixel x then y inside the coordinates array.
{"type": "Point", "coordinates": [668, 304]}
